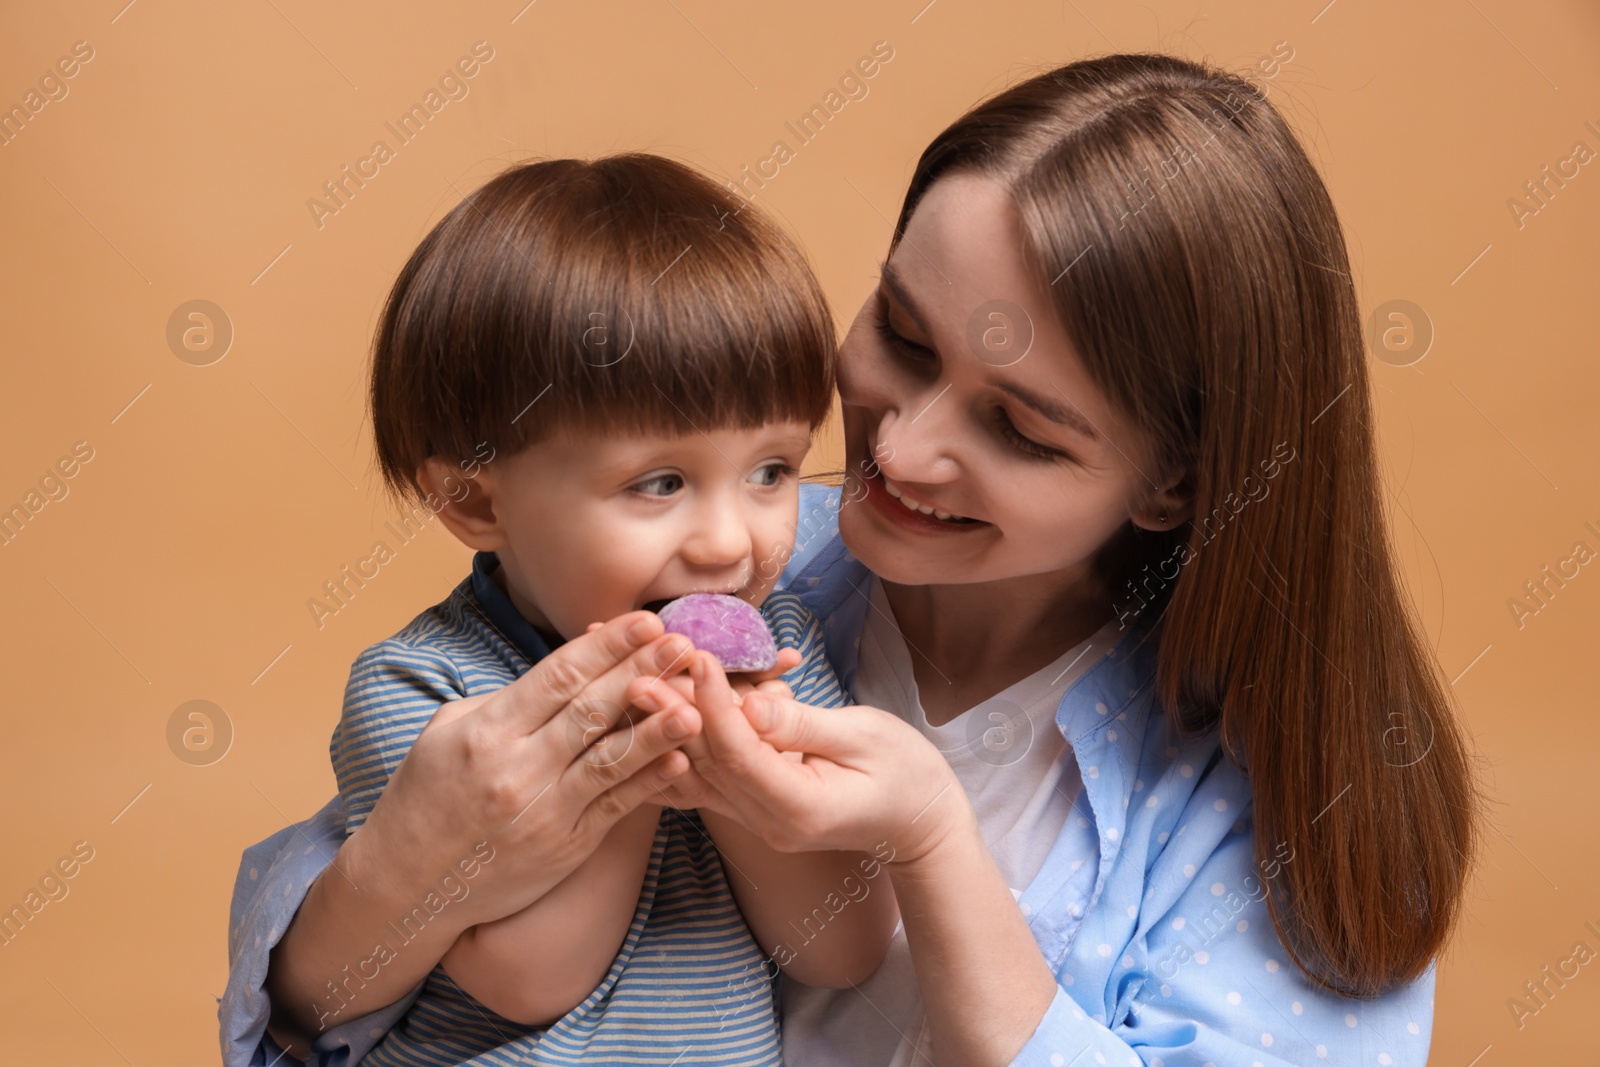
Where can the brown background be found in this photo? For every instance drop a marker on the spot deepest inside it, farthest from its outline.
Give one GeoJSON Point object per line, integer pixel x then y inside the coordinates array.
{"type": "Point", "coordinates": [180, 564]}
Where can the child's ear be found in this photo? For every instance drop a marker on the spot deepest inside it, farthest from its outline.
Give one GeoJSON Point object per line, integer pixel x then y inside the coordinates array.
{"type": "Point", "coordinates": [467, 506]}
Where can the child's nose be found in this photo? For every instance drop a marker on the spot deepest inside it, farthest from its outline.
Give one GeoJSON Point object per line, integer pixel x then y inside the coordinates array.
{"type": "Point", "coordinates": [721, 538]}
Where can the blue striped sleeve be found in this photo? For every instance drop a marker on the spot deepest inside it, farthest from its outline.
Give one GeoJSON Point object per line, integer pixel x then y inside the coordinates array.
{"type": "Point", "coordinates": [794, 626]}
{"type": "Point", "coordinates": [393, 691]}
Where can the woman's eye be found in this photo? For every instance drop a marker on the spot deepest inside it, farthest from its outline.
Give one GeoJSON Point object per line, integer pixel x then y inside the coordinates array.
{"type": "Point", "coordinates": [892, 337]}
{"type": "Point", "coordinates": [1009, 431]}
{"type": "Point", "coordinates": [661, 485]}
{"type": "Point", "coordinates": [772, 474]}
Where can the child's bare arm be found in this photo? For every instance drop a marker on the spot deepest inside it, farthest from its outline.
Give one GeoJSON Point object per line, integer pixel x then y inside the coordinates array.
{"type": "Point", "coordinates": [535, 965]}
{"type": "Point", "coordinates": [825, 918]}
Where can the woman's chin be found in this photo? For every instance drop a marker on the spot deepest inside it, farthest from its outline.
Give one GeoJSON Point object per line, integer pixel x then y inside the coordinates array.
{"type": "Point", "coordinates": [888, 553]}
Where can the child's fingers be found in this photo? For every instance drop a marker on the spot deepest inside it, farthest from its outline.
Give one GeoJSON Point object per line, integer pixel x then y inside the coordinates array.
{"type": "Point", "coordinates": [592, 627]}
{"type": "Point", "coordinates": [690, 790]}
{"type": "Point", "coordinates": [725, 732]}
{"type": "Point", "coordinates": [788, 660]}
{"type": "Point", "coordinates": [683, 792]}
{"type": "Point", "coordinates": [658, 696]}
{"type": "Point", "coordinates": [711, 687]}
{"type": "Point", "coordinates": [652, 695]}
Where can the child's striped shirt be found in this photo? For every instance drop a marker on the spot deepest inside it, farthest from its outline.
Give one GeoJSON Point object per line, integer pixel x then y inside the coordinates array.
{"type": "Point", "coordinates": [689, 986]}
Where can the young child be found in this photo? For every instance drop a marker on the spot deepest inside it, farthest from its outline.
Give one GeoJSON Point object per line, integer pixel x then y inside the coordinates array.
{"type": "Point", "coordinates": [604, 376]}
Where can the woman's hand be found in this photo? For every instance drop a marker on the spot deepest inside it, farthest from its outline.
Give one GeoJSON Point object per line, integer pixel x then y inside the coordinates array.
{"type": "Point", "coordinates": [689, 790]}
{"type": "Point", "coordinates": [865, 779]}
{"type": "Point", "coordinates": [539, 770]}
{"type": "Point", "coordinates": [809, 779]}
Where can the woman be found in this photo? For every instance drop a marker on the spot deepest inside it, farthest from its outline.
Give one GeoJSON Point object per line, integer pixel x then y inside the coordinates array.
{"type": "Point", "coordinates": [1160, 766]}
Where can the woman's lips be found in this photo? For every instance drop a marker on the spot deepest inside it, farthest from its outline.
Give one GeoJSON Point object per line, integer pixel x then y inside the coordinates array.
{"type": "Point", "coordinates": [912, 503]}
{"type": "Point", "coordinates": [890, 507]}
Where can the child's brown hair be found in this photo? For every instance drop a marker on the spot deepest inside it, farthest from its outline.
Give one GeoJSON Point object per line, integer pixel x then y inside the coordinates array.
{"type": "Point", "coordinates": [624, 294]}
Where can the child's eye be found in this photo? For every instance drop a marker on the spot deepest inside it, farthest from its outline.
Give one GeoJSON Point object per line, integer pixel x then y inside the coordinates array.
{"type": "Point", "coordinates": [772, 474]}
{"type": "Point", "coordinates": [660, 485]}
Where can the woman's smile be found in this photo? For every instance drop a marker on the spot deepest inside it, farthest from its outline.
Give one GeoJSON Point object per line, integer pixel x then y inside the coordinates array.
{"type": "Point", "coordinates": [917, 505]}
{"type": "Point", "coordinates": [908, 513]}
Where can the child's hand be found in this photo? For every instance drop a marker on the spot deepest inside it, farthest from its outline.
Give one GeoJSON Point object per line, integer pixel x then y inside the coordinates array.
{"type": "Point", "coordinates": [768, 681]}
{"type": "Point", "coordinates": [689, 790]}
{"type": "Point", "coordinates": [788, 660]}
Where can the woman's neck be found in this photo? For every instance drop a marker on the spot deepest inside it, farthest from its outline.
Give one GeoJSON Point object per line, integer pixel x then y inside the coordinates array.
{"type": "Point", "coordinates": [969, 642]}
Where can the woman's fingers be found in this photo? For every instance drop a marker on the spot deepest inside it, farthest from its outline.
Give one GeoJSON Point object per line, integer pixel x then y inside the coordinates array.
{"type": "Point", "coordinates": [627, 642]}
{"type": "Point", "coordinates": [777, 687]}
{"type": "Point", "coordinates": [865, 776]}
{"type": "Point", "coordinates": [659, 696]}
{"type": "Point", "coordinates": [720, 705]}
{"type": "Point", "coordinates": [623, 753]}
{"type": "Point", "coordinates": [647, 786]}
{"type": "Point", "coordinates": [787, 724]}
{"type": "Point", "coordinates": [602, 709]}
{"type": "Point", "coordinates": [716, 703]}
{"type": "Point", "coordinates": [680, 682]}
{"type": "Point", "coordinates": [738, 761]}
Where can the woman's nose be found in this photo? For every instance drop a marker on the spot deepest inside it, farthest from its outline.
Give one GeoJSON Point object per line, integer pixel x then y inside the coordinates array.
{"type": "Point", "coordinates": [915, 442]}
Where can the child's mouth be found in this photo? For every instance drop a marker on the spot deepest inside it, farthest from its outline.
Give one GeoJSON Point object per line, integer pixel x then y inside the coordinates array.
{"type": "Point", "coordinates": [657, 605]}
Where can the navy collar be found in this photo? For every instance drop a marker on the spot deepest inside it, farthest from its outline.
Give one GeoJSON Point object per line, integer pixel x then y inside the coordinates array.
{"type": "Point", "coordinates": [502, 614]}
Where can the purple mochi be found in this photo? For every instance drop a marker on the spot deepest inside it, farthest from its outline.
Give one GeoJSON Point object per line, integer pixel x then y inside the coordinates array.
{"type": "Point", "coordinates": [725, 626]}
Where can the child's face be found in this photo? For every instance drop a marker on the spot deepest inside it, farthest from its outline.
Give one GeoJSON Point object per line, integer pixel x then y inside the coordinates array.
{"type": "Point", "coordinates": [596, 527]}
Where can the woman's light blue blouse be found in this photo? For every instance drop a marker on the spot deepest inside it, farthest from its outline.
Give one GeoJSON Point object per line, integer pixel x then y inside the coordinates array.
{"type": "Point", "coordinates": [1150, 907]}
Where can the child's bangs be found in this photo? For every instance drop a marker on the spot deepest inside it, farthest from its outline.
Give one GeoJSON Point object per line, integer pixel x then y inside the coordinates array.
{"type": "Point", "coordinates": [715, 332]}
{"type": "Point", "coordinates": [628, 294]}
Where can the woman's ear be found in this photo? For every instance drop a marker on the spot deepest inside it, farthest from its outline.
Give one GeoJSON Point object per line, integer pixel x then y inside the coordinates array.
{"type": "Point", "coordinates": [1167, 508]}
{"type": "Point", "coordinates": [467, 506]}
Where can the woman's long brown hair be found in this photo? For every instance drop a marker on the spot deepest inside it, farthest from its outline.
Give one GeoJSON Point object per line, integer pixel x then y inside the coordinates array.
{"type": "Point", "coordinates": [1197, 263]}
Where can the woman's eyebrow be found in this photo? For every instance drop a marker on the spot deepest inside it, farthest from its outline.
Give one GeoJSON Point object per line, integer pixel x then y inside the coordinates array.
{"type": "Point", "coordinates": [1050, 409]}
{"type": "Point", "coordinates": [890, 279]}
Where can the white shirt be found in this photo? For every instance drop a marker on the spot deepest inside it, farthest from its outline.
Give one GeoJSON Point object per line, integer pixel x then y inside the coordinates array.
{"type": "Point", "coordinates": [1021, 778]}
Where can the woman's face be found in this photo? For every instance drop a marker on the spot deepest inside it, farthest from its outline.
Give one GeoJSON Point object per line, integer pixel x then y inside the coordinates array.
{"type": "Point", "coordinates": [961, 393]}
